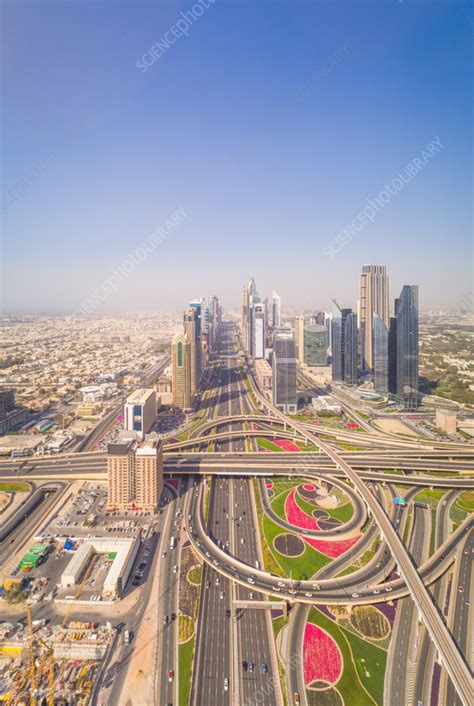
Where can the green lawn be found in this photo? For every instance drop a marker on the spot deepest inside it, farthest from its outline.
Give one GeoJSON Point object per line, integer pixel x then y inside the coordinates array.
{"type": "Point", "coordinates": [14, 487]}
{"type": "Point", "coordinates": [185, 659]}
{"type": "Point", "coordinates": [301, 567]}
{"type": "Point", "coordinates": [430, 497]}
{"type": "Point", "coordinates": [278, 624]}
{"type": "Point", "coordinates": [267, 444]}
{"type": "Point", "coordinates": [368, 658]}
{"type": "Point", "coordinates": [343, 513]}
{"type": "Point", "coordinates": [466, 501]}
{"type": "Point", "coordinates": [349, 684]}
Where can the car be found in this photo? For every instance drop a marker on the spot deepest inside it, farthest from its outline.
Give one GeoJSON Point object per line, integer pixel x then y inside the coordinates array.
{"type": "Point", "coordinates": [461, 589]}
{"type": "Point", "coordinates": [388, 589]}
{"type": "Point", "coordinates": [296, 698]}
{"type": "Point", "coordinates": [221, 595]}
{"type": "Point", "coordinates": [355, 595]}
{"type": "Point", "coordinates": [376, 591]}
{"type": "Point", "coordinates": [227, 612]}
{"type": "Point", "coordinates": [250, 580]}
{"type": "Point", "coordinates": [282, 584]}
{"type": "Point", "coordinates": [170, 675]}
{"type": "Point", "coordinates": [226, 684]}
{"type": "Point", "coordinates": [245, 665]}
{"type": "Point", "coordinates": [166, 620]}
{"type": "Point", "coordinates": [136, 582]}
{"type": "Point", "coordinates": [264, 668]}
{"type": "Point", "coordinates": [466, 551]}
{"type": "Point", "coordinates": [251, 667]}
{"type": "Point", "coordinates": [276, 588]}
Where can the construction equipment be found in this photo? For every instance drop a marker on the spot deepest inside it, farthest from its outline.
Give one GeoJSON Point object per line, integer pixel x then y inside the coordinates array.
{"type": "Point", "coordinates": [50, 653]}
{"type": "Point", "coordinates": [32, 671]}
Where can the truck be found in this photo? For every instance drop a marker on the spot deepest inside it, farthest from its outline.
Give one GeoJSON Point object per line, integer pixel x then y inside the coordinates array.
{"type": "Point", "coordinates": [126, 637]}
{"type": "Point", "coordinates": [172, 542]}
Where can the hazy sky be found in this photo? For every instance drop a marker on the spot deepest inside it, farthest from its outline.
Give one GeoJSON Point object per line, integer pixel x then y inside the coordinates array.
{"type": "Point", "coordinates": [270, 125]}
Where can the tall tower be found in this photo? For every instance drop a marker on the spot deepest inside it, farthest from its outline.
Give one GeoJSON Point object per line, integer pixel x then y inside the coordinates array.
{"type": "Point", "coordinates": [276, 310]}
{"type": "Point", "coordinates": [407, 345]}
{"type": "Point", "coordinates": [244, 316]}
{"type": "Point", "coordinates": [339, 348]}
{"type": "Point", "coordinates": [284, 389]}
{"type": "Point", "coordinates": [259, 330]}
{"type": "Point", "coordinates": [380, 355]}
{"type": "Point", "coordinates": [299, 338]}
{"type": "Point", "coordinates": [373, 299]}
{"type": "Point", "coordinates": [190, 329]}
{"type": "Point", "coordinates": [351, 347]}
{"type": "Point", "coordinates": [121, 474]}
{"type": "Point", "coordinates": [181, 371]}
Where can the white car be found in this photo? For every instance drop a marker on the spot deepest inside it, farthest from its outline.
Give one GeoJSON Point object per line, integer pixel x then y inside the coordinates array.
{"type": "Point", "coordinates": [355, 595]}
{"type": "Point", "coordinates": [281, 584]}
{"type": "Point", "coordinates": [308, 594]}
{"type": "Point", "coordinates": [226, 684]}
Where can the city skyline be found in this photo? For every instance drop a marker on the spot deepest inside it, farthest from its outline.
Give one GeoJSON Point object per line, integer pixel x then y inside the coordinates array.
{"type": "Point", "coordinates": [88, 184]}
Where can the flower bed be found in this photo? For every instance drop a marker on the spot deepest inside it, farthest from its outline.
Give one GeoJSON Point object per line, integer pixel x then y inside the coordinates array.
{"type": "Point", "coordinates": [287, 445]}
{"type": "Point", "coordinates": [296, 516]}
{"type": "Point", "coordinates": [322, 659]}
{"type": "Point", "coordinates": [332, 548]}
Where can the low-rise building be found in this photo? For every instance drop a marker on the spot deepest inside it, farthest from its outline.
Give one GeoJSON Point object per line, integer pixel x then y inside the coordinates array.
{"type": "Point", "coordinates": [326, 403]}
{"type": "Point", "coordinates": [446, 421]}
{"type": "Point", "coordinates": [263, 373]}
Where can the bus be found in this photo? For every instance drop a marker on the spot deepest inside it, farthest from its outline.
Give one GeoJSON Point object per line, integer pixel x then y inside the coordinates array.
{"type": "Point", "coordinates": [172, 542]}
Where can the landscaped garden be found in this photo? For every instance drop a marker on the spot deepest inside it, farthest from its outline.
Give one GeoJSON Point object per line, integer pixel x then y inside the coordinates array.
{"type": "Point", "coordinates": [341, 667]}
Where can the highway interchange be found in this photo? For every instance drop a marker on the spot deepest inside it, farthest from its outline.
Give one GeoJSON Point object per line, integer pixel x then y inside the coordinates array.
{"type": "Point", "coordinates": [236, 655]}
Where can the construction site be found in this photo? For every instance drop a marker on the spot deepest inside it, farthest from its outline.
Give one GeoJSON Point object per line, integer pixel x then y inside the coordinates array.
{"type": "Point", "coordinates": [51, 666]}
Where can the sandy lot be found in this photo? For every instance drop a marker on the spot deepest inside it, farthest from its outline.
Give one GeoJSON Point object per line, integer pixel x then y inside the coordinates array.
{"type": "Point", "coordinates": [394, 426]}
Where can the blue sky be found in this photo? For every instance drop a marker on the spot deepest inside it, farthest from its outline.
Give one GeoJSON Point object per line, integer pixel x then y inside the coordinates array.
{"type": "Point", "coordinates": [256, 125]}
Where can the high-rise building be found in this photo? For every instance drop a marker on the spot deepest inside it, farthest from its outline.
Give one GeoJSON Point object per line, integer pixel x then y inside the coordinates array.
{"type": "Point", "coordinates": [284, 391]}
{"type": "Point", "coordinates": [244, 316]}
{"type": "Point", "coordinates": [214, 322]}
{"type": "Point", "coordinates": [190, 329]}
{"type": "Point", "coordinates": [181, 371]}
{"type": "Point", "coordinates": [373, 299]}
{"type": "Point", "coordinates": [7, 402]}
{"type": "Point", "coordinates": [135, 474]}
{"type": "Point", "coordinates": [276, 310]}
{"type": "Point", "coordinates": [140, 411]}
{"type": "Point", "coordinates": [197, 305]}
{"type": "Point", "coordinates": [259, 330]}
{"type": "Point", "coordinates": [149, 473]}
{"type": "Point", "coordinates": [299, 338]}
{"type": "Point", "coordinates": [338, 342]}
{"type": "Point", "coordinates": [315, 345]}
{"type": "Point", "coordinates": [380, 354]}
{"type": "Point", "coordinates": [328, 324]}
{"type": "Point", "coordinates": [392, 353]}
{"type": "Point", "coordinates": [407, 346]}
{"type": "Point", "coordinates": [351, 349]}
{"type": "Point", "coordinates": [121, 474]}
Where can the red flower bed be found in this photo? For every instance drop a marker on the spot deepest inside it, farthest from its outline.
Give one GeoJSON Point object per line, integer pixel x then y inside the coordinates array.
{"type": "Point", "coordinates": [269, 484]}
{"type": "Point", "coordinates": [315, 421]}
{"type": "Point", "coordinates": [352, 426]}
{"type": "Point", "coordinates": [308, 486]}
{"type": "Point", "coordinates": [332, 548]}
{"type": "Point", "coordinates": [296, 516]}
{"type": "Point", "coordinates": [321, 656]}
{"type": "Point", "coordinates": [287, 445]}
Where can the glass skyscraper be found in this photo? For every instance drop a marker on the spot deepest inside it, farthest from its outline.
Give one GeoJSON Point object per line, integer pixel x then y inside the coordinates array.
{"type": "Point", "coordinates": [380, 354]}
{"type": "Point", "coordinates": [284, 371]}
{"type": "Point", "coordinates": [338, 341]}
{"type": "Point", "coordinates": [351, 341]}
{"type": "Point", "coordinates": [315, 345]}
{"type": "Point", "coordinates": [407, 346]}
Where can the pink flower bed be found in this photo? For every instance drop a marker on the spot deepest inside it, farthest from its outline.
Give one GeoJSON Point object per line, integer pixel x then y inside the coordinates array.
{"type": "Point", "coordinates": [269, 484]}
{"type": "Point", "coordinates": [286, 445]}
{"type": "Point", "coordinates": [352, 426]}
{"type": "Point", "coordinates": [300, 519]}
{"type": "Point", "coordinates": [296, 516]}
{"type": "Point", "coordinates": [321, 656]}
{"type": "Point", "coordinates": [332, 548]}
{"type": "Point", "coordinates": [308, 486]}
{"type": "Point", "coordinates": [254, 426]}
{"type": "Point", "coordinates": [315, 421]}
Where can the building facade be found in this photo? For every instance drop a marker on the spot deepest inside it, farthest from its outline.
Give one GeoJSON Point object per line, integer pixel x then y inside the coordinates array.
{"type": "Point", "coordinates": [315, 345]}
{"type": "Point", "coordinates": [135, 474]}
{"type": "Point", "coordinates": [284, 374]}
{"type": "Point", "coordinates": [373, 299]}
{"type": "Point", "coordinates": [299, 338]}
{"type": "Point", "coordinates": [181, 371]}
{"type": "Point", "coordinates": [407, 346]}
{"type": "Point", "coordinates": [140, 411]}
{"type": "Point", "coordinates": [276, 310]}
{"type": "Point", "coordinates": [351, 349]}
{"type": "Point", "coordinates": [380, 355]}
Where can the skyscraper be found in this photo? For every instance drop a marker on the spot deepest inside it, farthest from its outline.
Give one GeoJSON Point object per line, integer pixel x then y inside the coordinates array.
{"type": "Point", "coordinates": [259, 330]}
{"type": "Point", "coordinates": [299, 338]}
{"type": "Point", "coordinates": [181, 371]}
{"type": "Point", "coordinates": [392, 353]}
{"type": "Point", "coordinates": [190, 329]}
{"type": "Point", "coordinates": [244, 316]}
{"type": "Point", "coordinates": [276, 310]}
{"type": "Point", "coordinates": [284, 390]}
{"type": "Point", "coordinates": [315, 345]}
{"type": "Point", "coordinates": [338, 341]}
{"type": "Point", "coordinates": [380, 354]}
{"type": "Point", "coordinates": [197, 305]}
{"type": "Point", "coordinates": [149, 473]}
{"type": "Point", "coordinates": [373, 299]}
{"type": "Point", "coordinates": [407, 346]}
{"type": "Point", "coordinates": [351, 349]}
